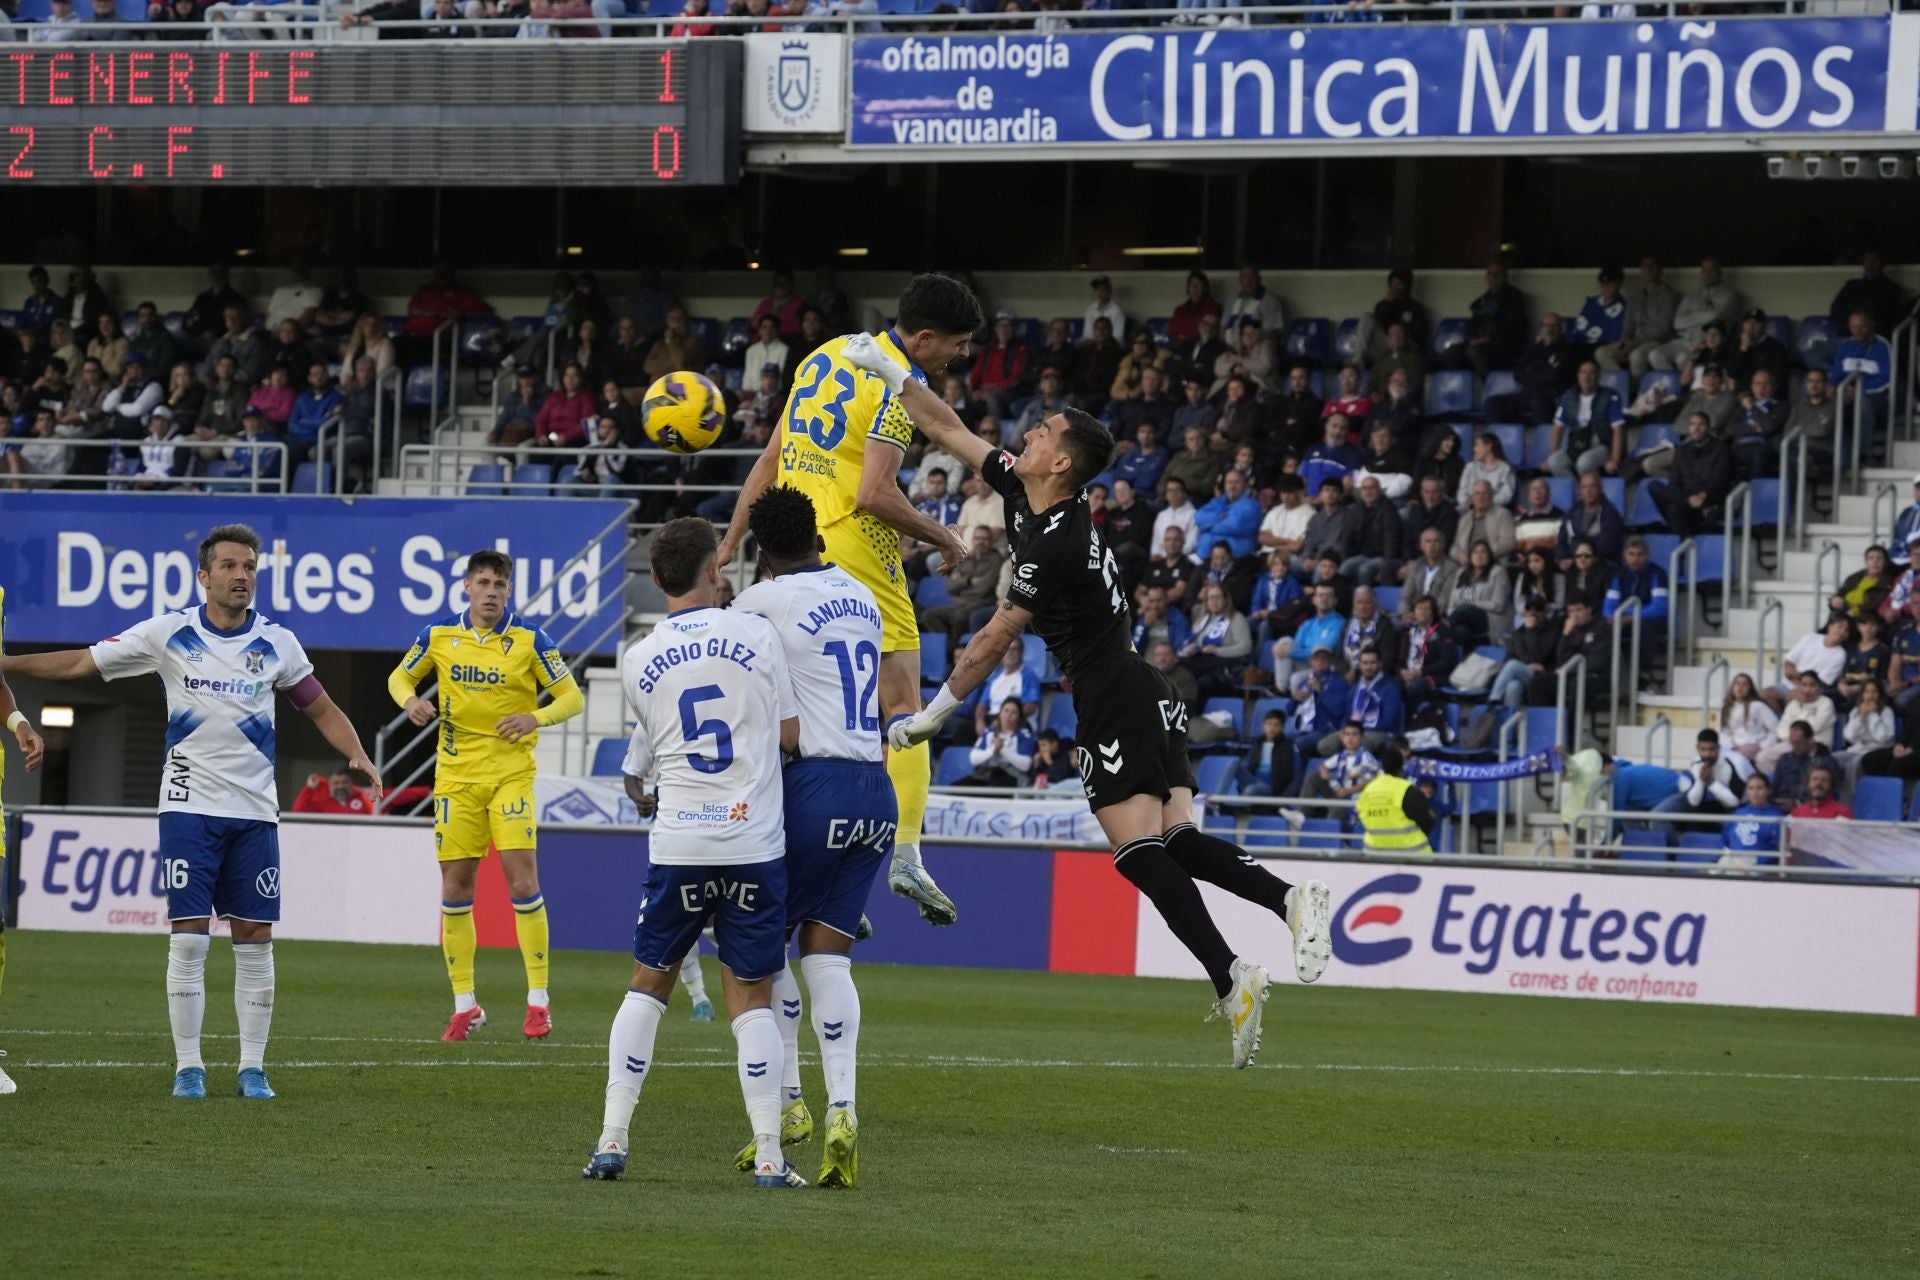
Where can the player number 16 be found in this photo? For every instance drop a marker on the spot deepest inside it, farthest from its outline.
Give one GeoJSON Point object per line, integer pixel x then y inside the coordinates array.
{"type": "Point", "coordinates": [175, 871]}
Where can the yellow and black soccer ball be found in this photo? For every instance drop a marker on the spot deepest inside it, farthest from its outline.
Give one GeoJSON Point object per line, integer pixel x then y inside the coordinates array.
{"type": "Point", "coordinates": [683, 412]}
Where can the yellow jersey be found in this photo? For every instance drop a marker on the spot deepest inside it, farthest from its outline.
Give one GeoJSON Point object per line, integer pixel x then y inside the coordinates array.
{"type": "Point", "coordinates": [833, 410]}
{"type": "Point", "coordinates": [484, 677]}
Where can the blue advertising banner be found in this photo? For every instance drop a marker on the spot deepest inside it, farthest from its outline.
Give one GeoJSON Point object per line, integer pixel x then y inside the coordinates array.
{"type": "Point", "coordinates": [1338, 82]}
{"type": "Point", "coordinates": [365, 573]}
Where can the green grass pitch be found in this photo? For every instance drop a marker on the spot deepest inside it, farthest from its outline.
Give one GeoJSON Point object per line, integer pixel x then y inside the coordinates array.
{"type": "Point", "coordinates": [1012, 1125]}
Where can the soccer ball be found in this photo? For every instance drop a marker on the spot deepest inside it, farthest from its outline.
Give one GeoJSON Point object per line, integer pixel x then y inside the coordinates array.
{"type": "Point", "coordinates": [683, 412]}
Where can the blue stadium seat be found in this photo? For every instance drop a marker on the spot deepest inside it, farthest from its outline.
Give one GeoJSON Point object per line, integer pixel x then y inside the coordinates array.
{"type": "Point", "coordinates": [1713, 556]}
{"type": "Point", "coordinates": [175, 323]}
{"type": "Point", "coordinates": [221, 470]}
{"type": "Point", "coordinates": [933, 657]}
{"type": "Point", "coordinates": [520, 328]}
{"type": "Point", "coordinates": [1450, 332]}
{"type": "Point", "coordinates": [733, 378]}
{"type": "Point", "coordinates": [129, 323]}
{"type": "Point", "coordinates": [954, 765]}
{"type": "Point", "coordinates": [9, 319]}
{"type": "Point", "coordinates": [1699, 847]}
{"type": "Point", "coordinates": [1029, 331]}
{"type": "Point", "coordinates": [312, 477]}
{"type": "Point", "coordinates": [1213, 776]}
{"type": "Point", "coordinates": [1388, 598]}
{"type": "Point", "coordinates": [738, 337]}
{"type": "Point", "coordinates": [566, 477]}
{"type": "Point", "coordinates": [1077, 326]}
{"type": "Point", "coordinates": [481, 338]}
{"type": "Point", "coordinates": [1258, 714]}
{"type": "Point", "coordinates": [1814, 331]}
{"type": "Point", "coordinates": [1622, 383]}
{"type": "Point", "coordinates": [1767, 508]}
{"type": "Point", "coordinates": [1059, 714]}
{"type": "Point", "coordinates": [1877, 799]}
{"type": "Point", "coordinates": [487, 481]}
{"type": "Point", "coordinates": [395, 325]}
{"type": "Point", "coordinates": [1643, 514]}
{"type": "Point", "coordinates": [1660, 547]}
{"type": "Point", "coordinates": [1659, 377]}
{"type": "Point", "coordinates": [1614, 489]}
{"type": "Point", "coordinates": [1658, 840]}
{"type": "Point", "coordinates": [419, 387]}
{"type": "Point", "coordinates": [664, 8]}
{"type": "Point", "coordinates": [1157, 326]}
{"type": "Point", "coordinates": [1780, 329]}
{"type": "Point", "coordinates": [1560, 491]}
{"type": "Point", "coordinates": [1269, 831]}
{"type": "Point", "coordinates": [37, 11]}
{"type": "Point", "coordinates": [1512, 438]}
{"type": "Point", "coordinates": [1346, 342]}
{"type": "Point", "coordinates": [533, 479]}
{"type": "Point", "coordinates": [1539, 448]}
{"type": "Point", "coordinates": [607, 755]}
{"type": "Point", "coordinates": [1318, 379]}
{"type": "Point", "coordinates": [1542, 727]}
{"type": "Point", "coordinates": [1235, 707]}
{"type": "Point", "coordinates": [1449, 394]}
{"type": "Point", "coordinates": [707, 329]}
{"type": "Point", "coordinates": [1309, 338]}
{"type": "Point", "coordinates": [932, 592]}
{"type": "Point", "coordinates": [1319, 833]}
{"type": "Point", "coordinates": [1651, 434]}
{"type": "Point", "coordinates": [1034, 656]}
{"type": "Point", "coordinates": [1499, 382]}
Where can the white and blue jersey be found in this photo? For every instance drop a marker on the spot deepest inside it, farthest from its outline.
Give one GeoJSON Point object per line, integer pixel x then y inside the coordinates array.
{"type": "Point", "coordinates": [709, 689]}
{"type": "Point", "coordinates": [219, 799]}
{"type": "Point", "coordinates": [840, 810]}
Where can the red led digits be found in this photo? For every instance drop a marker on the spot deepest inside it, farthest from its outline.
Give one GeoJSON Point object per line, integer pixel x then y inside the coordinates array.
{"type": "Point", "coordinates": [22, 136]}
{"type": "Point", "coordinates": [666, 152]}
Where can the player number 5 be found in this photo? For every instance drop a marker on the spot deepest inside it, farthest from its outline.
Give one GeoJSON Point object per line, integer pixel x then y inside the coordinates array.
{"type": "Point", "coordinates": [693, 728]}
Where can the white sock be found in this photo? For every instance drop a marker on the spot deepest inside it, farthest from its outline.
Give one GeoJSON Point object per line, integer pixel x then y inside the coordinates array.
{"type": "Point", "coordinates": [757, 1033]}
{"type": "Point", "coordinates": [836, 1021]}
{"type": "Point", "coordinates": [694, 976]}
{"type": "Point", "coordinates": [629, 1050]}
{"type": "Point", "coordinates": [253, 999]}
{"type": "Point", "coordinates": [786, 999]}
{"type": "Point", "coordinates": [464, 1001]}
{"type": "Point", "coordinates": [187, 995]}
{"type": "Point", "coordinates": [538, 995]}
{"type": "Point", "coordinates": [907, 853]}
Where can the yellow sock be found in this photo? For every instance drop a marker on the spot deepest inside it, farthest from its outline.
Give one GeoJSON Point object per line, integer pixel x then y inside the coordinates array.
{"type": "Point", "coordinates": [912, 774]}
{"type": "Point", "coordinates": [3, 961]}
{"type": "Point", "coordinates": [457, 943]}
{"type": "Point", "coordinates": [530, 926]}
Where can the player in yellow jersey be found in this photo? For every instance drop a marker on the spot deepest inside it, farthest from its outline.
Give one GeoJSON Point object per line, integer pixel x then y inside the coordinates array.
{"type": "Point", "coordinates": [841, 441]}
{"type": "Point", "coordinates": [490, 670]}
{"type": "Point", "coordinates": [31, 747]}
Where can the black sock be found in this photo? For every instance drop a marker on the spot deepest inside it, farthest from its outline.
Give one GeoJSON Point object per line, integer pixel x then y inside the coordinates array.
{"type": "Point", "coordinates": [1173, 894]}
{"type": "Point", "coordinates": [1222, 863]}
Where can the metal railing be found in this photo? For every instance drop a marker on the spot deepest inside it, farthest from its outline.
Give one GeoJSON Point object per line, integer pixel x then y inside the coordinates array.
{"type": "Point", "coordinates": [430, 457]}
{"type": "Point", "coordinates": [1573, 671]}
{"type": "Point", "coordinates": [1851, 471]}
{"type": "Point", "coordinates": [254, 481]}
{"type": "Point", "coordinates": [1719, 667]}
{"type": "Point", "coordinates": [1511, 743]}
{"type": "Point", "coordinates": [1820, 594]}
{"type": "Point", "coordinates": [1775, 609]}
{"type": "Point", "coordinates": [1630, 609]}
{"type": "Point", "coordinates": [451, 328]}
{"type": "Point", "coordinates": [1739, 575]}
{"type": "Point", "coordinates": [395, 380]}
{"type": "Point", "coordinates": [337, 425]}
{"type": "Point", "coordinates": [1688, 553]}
{"type": "Point", "coordinates": [388, 757]}
{"type": "Point", "coordinates": [1901, 368]}
{"type": "Point", "coordinates": [1884, 489]}
{"type": "Point", "coordinates": [1662, 725]}
{"type": "Point", "coordinates": [1793, 455]}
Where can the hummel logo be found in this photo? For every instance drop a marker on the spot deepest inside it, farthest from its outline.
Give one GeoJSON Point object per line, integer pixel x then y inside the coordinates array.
{"type": "Point", "coordinates": [790, 1008]}
{"type": "Point", "coordinates": [831, 1030]}
{"type": "Point", "coordinates": [1054, 523]}
{"type": "Point", "coordinates": [756, 1069]}
{"type": "Point", "coordinates": [1110, 756]}
{"type": "Point", "coordinates": [637, 1065]}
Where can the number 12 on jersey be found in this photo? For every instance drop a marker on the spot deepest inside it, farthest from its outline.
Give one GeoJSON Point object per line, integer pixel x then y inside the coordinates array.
{"type": "Point", "coordinates": [864, 660]}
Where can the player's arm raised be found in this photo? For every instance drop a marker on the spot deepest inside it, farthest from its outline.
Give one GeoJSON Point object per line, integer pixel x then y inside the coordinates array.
{"type": "Point", "coordinates": [758, 481]}
{"type": "Point", "coordinates": [976, 662]}
{"type": "Point", "coordinates": [929, 412]}
{"type": "Point", "coordinates": [881, 497]}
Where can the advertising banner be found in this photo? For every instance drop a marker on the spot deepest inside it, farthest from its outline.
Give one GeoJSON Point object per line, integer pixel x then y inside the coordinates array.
{"type": "Point", "coordinates": [793, 83]}
{"type": "Point", "coordinates": [1710, 940]}
{"type": "Point", "coordinates": [363, 573]}
{"type": "Point", "coordinates": [1390, 82]}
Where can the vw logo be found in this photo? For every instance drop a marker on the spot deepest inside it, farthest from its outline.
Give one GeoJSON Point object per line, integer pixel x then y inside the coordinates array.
{"type": "Point", "coordinates": [267, 883]}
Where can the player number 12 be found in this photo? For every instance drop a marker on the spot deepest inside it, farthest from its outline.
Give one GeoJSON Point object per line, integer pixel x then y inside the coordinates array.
{"type": "Point", "coordinates": [865, 659]}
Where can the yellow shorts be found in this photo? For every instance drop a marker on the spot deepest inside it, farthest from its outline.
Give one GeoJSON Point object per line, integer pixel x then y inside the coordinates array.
{"type": "Point", "coordinates": [869, 550]}
{"type": "Point", "coordinates": [467, 815]}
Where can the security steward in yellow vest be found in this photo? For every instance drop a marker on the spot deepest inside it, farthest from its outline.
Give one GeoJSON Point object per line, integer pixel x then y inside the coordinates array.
{"type": "Point", "coordinates": [1395, 814]}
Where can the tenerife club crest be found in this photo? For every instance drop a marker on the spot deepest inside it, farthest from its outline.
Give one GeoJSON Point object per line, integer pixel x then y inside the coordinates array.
{"type": "Point", "coordinates": [797, 86]}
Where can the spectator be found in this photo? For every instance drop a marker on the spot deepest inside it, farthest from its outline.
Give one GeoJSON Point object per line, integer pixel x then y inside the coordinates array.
{"type": "Point", "coordinates": [1194, 411]}
{"type": "Point", "coordinates": [1756, 350]}
{"type": "Point", "coordinates": [1219, 643]}
{"type": "Point", "coordinates": [1252, 357]}
{"type": "Point", "coordinates": [25, 365]}
{"type": "Point", "coordinates": [437, 301]}
{"type": "Point", "coordinates": [1348, 399]}
{"type": "Point", "coordinates": [1593, 519]}
{"type": "Point", "coordinates": [42, 305]}
{"type": "Point", "coordinates": [151, 339]}
{"type": "Point", "coordinates": [1184, 325]}
{"type": "Point", "coordinates": [783, 306]}
{"type": "Point", "coordinates": [1902, 759]}
{"type": "Point", "coordinates": [1603, 317]}
{"type": "Point", "coordinates": [1232, 517]}
{"type": "Point", "coordinates": [1051, 400]}
{"type": "Point", "coordinates": [518, 417]}
{"type": "Point", "coordinates": [1820, 801]}
{"type": "Point", "coordinates": [1581, 636]}
{"type": "Point", "coordinates": [1267, 768]}
{"type": "Point", "coordinates": [1239, 420]}
{"type": "Point", "coordinates": [1873, 292]}
{"type": "Point", "coordinates": [1400, 410]}
{"type": "Point", "coordinates": [563, 415]}
{"type": "Point", "coordinates": [1377, 535]}
{"type": "Point", "coordinates": [1144, 464]}
{"type": "Point", "coordinates": [1496, 328]}
{"type": "Point", "coordinates": [312, 408]}
{"type": "Point", "coordinates": [1712, 784]}
{"type": "Point", "coordinates": [184, 396]}
{"type": "Point", "coordinates": [1277, 603]}
{"type": "Point", "coordinates": [163, 460]}
{"type": "Point", "coordinates": [1398, 307]}
{"type": "Point", "coordinates": [998, 375]}
{"type": "Point", "coordinates": [369, 338]}
{"type": "Point", "coordinates": [1638, 578]}
{"type": "Point", "coordinates": [1432, 508]}
{"type": "Point", "coordinates": [64, 346]}
{"type": "Point", "coordinates": [274, 400]}
{"type": "Point", "coordinates": [677, 348]}
{"type": "Point", "coordinates": [983, 509]}
{"type": "Point", "coordinates": [240, 340]}
{"type": "Point", "coordinates": [1103, 307]}
{"type": "Point", "coordinates": [1320, 630]}
{"type": "Point", "coordinates": [613, 455]}
{"type": "Point", "coordinates": [206, 319]}
{"type": "Point", "coordinates": [1297, 412]}
{"type": "Point", "coordinates": [1155, 624]}
{"type": "Point", "coordinates": [1059, 353]}
{"type": "Point", "coordinates": [1375, 707]}
{"type": "Point", "coordinates": [226, 396]}
{"type": "Point", "coordinates": [1342, 775]}
{"type": "Point", "coordinates": [1747, 724]}
{"type": "Point", "coordinates": [1539, 576]}
{"type": "Point", "coordinates": [1003, 754]}
{"type": "Point", "coordinates": [1484, 520]}
{"type": "Point", "coordinates": [1479, 610]}
{"type": "Point", "coordinates": [1428, 654]}
{"type": "Point", "coordinates": [1332, 531]}
{"type": "Point", "coordinates": [42, 454]}
{"type": "Point", "coordinates": [342, 303]}
{"type": "Point", "coordinates": [1401, 356]}
{"type": "Point", "coordinates": [1053, 761]}
{"type": "Point", "coordinates": [1284, 527]}
{"type": "Point", "coordinates": [1869, 728]}
{"type": "Point", "coordinates": [827, 298]}
{"type": "Point", "coordinates": [1142, 354]}
{"type": "Point", "coordinates": [1544, 373]}
{"type": "Point", "coordinates": [290, 349]}
{"type": "Point", "coordinates": [128, 405]}
{"type": "Point", "coordinates": [298, 299]}
{"type": "Point", "coordinates": [972, 588]}
{"type": "Point", "coordinates": [1489, 465]}
{"type": "Point", "coordinates": [1906, 526]}
{"type": "Point", "coordinates": [813, 335]}
{"type": "Point", "coordinates": [627, 360]}
{"type": "Point", "coordinates": [1386, 462]}
{"type": "Point", "coordinates": [1536, 521]}
{"type": "Point", "coordinates": [1254, 302]}
{"type": "Point", "coordinates": [1369, 628]}
{"type": "Point", "coordinates": [253, 455]}
{"type": "Point", "coordinates": [1866, 588]}
{"type": "Point", "coordinates": [1869, 661]}
{"type": "Point", "coordinates": [1432, 572]}
{"type": "Point", "coordinates": [1530, 653]}
{"type": "Point", "coordinates": [1197, 356]}
{"type": "Point", "coordinates": [86, 302]}
{"type": "Point", "coordinates": [1701, 476]}
{"type": "Point", "coordinates": [1167, 663]}
{"type": "Point", "coordinates": [1755, 839]}
{"type": "Point", "coordinates": [1014, 682]}
{"type": "Point", "coordinates": [937, 502]}
{"type": "Point", "coordinates": [1712, 351]}
{"type": "Point", "coordinates": [1096, 366]}
{"type": "Point", "coordinates": [1808, 713]}
{"type": "Point", "coordinates": [1174, 571]}
{"type": "Point", "coordinates": [334, 793]}
{"type": "Point", "coordinates": [1757, 428]}
{"type": "Point", "coordinates": [1821, 654]}
{"type": "Point", "coordinates": [109, 346]}
{"type": "Point", "coordinates": [1440, 458]}
{"type": "Point", "coordinates": [1710, 300]}
{"type": "Point", "coordinates": [1592, 574]}
{"type": "Point", "coordinates": [1321, 697]}
{"type": "Point", "coordinates": [592, 355]}
{"type": "Point", "coordinates": [1148, 405]}
{"type": "Point", "coordinates": [1196, 466]}
{"type": "Point", "coordinates": [1867, 356]}
{"type": "Point", "coordinates": [1815, 414]}
{"type": "Point", "coordinates": [1596, 420]}
{"type": "Point", "coordinates": [1333, 459]}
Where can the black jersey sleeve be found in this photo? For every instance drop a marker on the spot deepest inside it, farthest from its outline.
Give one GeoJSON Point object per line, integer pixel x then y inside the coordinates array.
{"type": "Point", "coordinates": [997, 471]}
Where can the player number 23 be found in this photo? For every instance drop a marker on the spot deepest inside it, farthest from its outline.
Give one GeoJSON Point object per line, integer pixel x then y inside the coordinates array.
{"type": "Point", "coordinates": [820, 410]}
{"type": "Point", "coordinates": [692, 728]}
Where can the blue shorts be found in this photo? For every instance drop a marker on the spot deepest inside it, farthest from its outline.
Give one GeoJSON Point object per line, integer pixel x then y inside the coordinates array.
{"type": "Point", "coordinates": [841, 818]}
{"type": "Point", "coordinates": [228, 867]}
{"type": "Point", "coordinates": [746, 903]}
